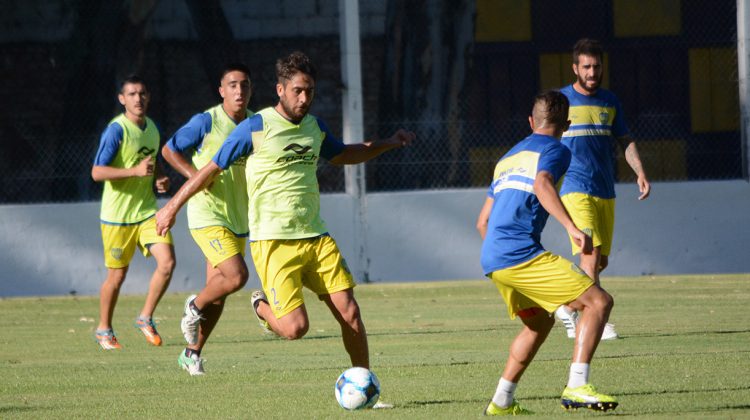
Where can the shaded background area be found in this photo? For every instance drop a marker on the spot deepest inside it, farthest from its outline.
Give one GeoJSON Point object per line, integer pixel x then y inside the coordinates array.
{"type": "Point", "coordinates": [460, 73]}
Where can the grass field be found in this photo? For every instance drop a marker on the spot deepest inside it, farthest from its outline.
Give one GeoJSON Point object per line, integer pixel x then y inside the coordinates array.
{"type": "Point", "coordinates": [436, 347]}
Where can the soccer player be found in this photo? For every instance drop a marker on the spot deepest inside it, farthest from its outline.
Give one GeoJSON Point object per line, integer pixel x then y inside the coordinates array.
{"type": "Point", "coordinates": [289, 242]}
{"type": "Point", "coordinates": [588, 191]}
{"type": "Point", "coordinates": [217, 218]}
{"type": "Point", "coordinates": [534, 282]}
{"type": "Point", "coordinates": [126, 163]}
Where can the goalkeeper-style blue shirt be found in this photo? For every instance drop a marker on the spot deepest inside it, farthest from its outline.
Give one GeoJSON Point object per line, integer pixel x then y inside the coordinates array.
{"type": "Point", "coordinates": [595, 121]}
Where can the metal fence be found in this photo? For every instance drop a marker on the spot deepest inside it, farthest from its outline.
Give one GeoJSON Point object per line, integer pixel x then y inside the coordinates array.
{"type": "Point", "coordinates": [673, 65]}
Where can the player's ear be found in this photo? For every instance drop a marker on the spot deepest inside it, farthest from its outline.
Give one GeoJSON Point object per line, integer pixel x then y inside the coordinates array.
{"type": "Point", "coordinates": [531, 123]}
{"type": "Point", "coordinates": [221, 91]}
{"type": "Point", "coordinates": [121, 98]}
{"type": "Point", "coordinates": [279, 89]}
{"type": "Point", "coordinates": [567, 126]}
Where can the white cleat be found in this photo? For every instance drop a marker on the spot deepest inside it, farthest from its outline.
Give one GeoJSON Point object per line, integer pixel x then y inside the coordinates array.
{"type": "Point", "coordinates": [190, 322]}
{"type": "Point", "coordinates": [569, 320]}
{"type": "Point", "coordinates": [193, 364]}
{"type": "Point", "coordinates": [255, 299]}
{"type": "Point", "coordinates": [609, 332]}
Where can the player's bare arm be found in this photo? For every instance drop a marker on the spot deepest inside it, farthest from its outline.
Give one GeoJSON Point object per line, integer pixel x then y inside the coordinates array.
{"type": "Point", "coordinates": [178, 162]}
{"type": "Point", "coordinates": [634, 160]}
{"type": "Point", "coordinates": [544, 188]}
{"type": "Point", "coordinates": [362, 152]}
{"type": "Point", "coordinates": [165, 217]}
{"type": "Point", "coordinates": [484, 216]}
{"type": "Point", "coordinates": [109, 173]}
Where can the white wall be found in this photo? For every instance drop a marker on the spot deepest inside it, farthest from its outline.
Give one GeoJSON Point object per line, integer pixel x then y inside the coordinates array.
{"type": "Point", "coordinates": [696, 227]}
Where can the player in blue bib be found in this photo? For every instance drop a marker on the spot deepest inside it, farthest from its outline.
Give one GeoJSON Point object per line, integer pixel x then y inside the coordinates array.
{"type": "Point", "coordinates": [534, 282]}
{"type": "Point", "coordinates": [588, 191]}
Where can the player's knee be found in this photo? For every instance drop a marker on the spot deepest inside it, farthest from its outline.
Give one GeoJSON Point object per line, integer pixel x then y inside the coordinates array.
{"type": "Point", "coordinates": [237, 280]}
{"type": "Point", "coordinates": [166, 266]}
{"type": "Point", "coordinates": [296, 331]}
{"type": "Point", "coordinates": [603, 302]}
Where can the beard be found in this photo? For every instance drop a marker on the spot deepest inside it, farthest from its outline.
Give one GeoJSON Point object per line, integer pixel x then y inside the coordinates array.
{"type": "Point", "coordinates": [597, 81]}
{"type": "Point", "coordinates": [296, 115]}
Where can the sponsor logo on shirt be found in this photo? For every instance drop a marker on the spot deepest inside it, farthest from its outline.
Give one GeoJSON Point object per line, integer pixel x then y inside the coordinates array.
{"type": "Point", "coordinates": [145, 151]}
{"type": "Point", "coordinates": [299, 155]}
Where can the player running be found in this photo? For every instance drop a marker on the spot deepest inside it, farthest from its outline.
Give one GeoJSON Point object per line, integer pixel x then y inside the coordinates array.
{"type": "Point", "coordinates": [126, 163]}
{"type": "Point", "coordinates": [290, 244]}
{"type": "Point", "coordinates": [217, 218]}
{"type": "Point", "coordinates": [534, 282]}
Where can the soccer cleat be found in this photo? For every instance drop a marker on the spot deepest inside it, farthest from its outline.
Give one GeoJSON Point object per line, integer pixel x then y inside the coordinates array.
{"type": "Point", "coordinates": [569, 320]}
{"type": "Point", "coordinates": [609, 332]}
{"type": "Point", "coordinates": [585, 396]}
{"type": "Point", "coordinates": [514, 409]}
{"type": "Point", "coordinates": [255, 299]}
{"type": "Point", "coordinates": [107, 339]}
{"type": "Point", "coordinates": [193, 364]}
{"type": "Point", "coordinates": [148, 328]}
{"type": "Point", "coordinates": [190, 322]}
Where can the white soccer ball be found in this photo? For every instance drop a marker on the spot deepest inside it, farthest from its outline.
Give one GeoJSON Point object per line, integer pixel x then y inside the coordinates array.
{"type": "Point", "coordinates": [357, 388]}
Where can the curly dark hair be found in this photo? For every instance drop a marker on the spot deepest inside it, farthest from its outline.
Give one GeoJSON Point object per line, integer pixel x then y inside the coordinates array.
{"type": "Point", "coordinates": [294, 63]}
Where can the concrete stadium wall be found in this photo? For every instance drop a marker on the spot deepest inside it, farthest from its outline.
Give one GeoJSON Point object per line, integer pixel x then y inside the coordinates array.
{"type": "Point", "coordinates": [696, 227]}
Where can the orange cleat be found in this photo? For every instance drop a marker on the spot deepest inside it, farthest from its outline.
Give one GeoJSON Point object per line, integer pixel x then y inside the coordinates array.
{"type": "Point", "coordinates": [148, 328]}
{"type": "Point", "coordinates": [107, 340]}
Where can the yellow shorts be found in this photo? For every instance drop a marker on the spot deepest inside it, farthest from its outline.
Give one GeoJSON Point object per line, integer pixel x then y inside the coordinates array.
{"type": "Point", "coordinates": [218, 243]}
{"type": "Point", "coordinates": [120, 241]}
{"type": "Point", "coordinates": [594, 216]}
{"type": "Point", "coordinates": [545, 281]}
{"type": "Point", "coordinates": [284, 266]}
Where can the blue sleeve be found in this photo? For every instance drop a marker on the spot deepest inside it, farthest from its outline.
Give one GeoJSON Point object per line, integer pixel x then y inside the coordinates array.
{"type": "Point", "coordinates": [331, 146]}
{"type": "Point", "coordinates": [619, 125]}
{"type": "Point", "coordinates": [109, 144]}
{"type": "Point", "coordinates": [239, 143]}
{"type": "Point", "coordinates": [190, 136]}
{"type": "Point", "coordinates": [555, 159]}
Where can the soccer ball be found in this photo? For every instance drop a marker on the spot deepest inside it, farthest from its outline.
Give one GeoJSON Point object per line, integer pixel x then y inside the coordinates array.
{"type": "Point", "coordinates": [357, 388]}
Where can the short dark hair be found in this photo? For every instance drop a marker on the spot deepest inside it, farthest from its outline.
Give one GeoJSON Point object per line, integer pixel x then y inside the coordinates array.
{"type": "Point", "coordinates": [587, 46]}
{"type": "Point", "coordinates": [230, 67]}
{"type": "Point", "coordinates": [294, 63]}
{"type": "Point", "coordinates": [550, 107]}
{"type": "Point", "coordinates": [132, 79]}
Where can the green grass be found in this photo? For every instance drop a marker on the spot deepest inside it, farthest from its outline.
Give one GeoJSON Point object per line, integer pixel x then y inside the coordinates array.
{"type": "Point", "coordinates": [437, 348]}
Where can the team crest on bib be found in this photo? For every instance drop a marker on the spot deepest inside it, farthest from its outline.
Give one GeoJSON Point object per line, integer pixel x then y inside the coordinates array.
{"type": "Point", "coordinates": [604, 117]}
{"type": "Point", "coordinates": [116, 253]}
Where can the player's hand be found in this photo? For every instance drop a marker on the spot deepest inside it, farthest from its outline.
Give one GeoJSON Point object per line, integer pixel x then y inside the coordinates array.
{"type": "Point", "coordinates": [145, 167]}
{"type": "Point", "coordinates": [402, 138]}
{"type": "Point", "coordinates": [644, 187]}
{"type": "Point", "coordinates": [164, 221]}
{"type": "Point", "coordinates": [582, 240]}
{"type": "Point", "coordinates": [162, 184]}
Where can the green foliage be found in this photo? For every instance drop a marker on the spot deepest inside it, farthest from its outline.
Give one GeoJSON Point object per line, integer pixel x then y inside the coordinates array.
{"type": "Point", "coordinates": [438, 349]}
